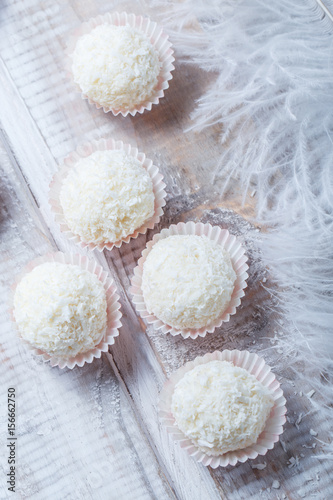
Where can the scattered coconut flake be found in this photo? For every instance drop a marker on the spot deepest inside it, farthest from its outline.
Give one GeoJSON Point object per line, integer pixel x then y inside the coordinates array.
{"type": "Point", "coordinates": [259, 466]}
{"type": "Point", "coordinates": [276, 485]}
{"type": "Point", "coordinates": [313, 433]}
{"type": "Point", "coordinates": [310, 393]}
{"type": "Point", "coordinates": [204, 402]}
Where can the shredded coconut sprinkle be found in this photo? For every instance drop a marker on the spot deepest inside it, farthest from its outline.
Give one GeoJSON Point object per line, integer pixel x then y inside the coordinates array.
{"type": "Point", "coordinates": [187, 281]}
{"type": "Point", "coordinates": [221, 407]}
{"type": "Point", "coordinates": [116, 66]}
{"type": "Point", "coordinates": [107, 196]}
{"type": "Point", "coordinates": [60, 309]}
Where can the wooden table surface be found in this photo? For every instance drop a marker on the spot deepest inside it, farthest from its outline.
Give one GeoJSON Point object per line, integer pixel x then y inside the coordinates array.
{"type": "Point", "coordinates": [93, 432]}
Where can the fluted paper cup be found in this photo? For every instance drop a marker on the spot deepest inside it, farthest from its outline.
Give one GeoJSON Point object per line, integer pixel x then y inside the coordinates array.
{"type": "Point", "coordinates": [274, 425]}
{"type": "Point", "coordinates": [86, 150]}
{"type": "Point", "coordinates": [113, 309]}
{"type": "Point", "coordinates": [238, 259]}
{"type": "Point", "coordinates": [159, 40]}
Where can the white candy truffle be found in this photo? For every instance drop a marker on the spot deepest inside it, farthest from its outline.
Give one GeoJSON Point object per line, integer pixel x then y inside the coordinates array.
{"type": "Point", "coordinates": [107, 196]}
{"type": "Point", "coordinates": [187, 281]}
{"type": "Point", "coordinates": [60, 309]}
{"type": "Point", "coordinates": [221, 407]}
{"type": "Point", "coordinates": [116, 66]}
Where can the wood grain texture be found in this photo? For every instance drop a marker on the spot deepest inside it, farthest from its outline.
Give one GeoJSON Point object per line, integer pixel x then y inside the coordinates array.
{"type": "Point", "coordinates": [74, 427]}
{"type": "Point", "coordinates": [94, 432]}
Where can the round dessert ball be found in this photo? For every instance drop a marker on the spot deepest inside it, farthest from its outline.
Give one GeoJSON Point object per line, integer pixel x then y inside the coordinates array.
{"type": "Point", "coordinates": [107, 196]}
{"type": "Point", "coordinates": [187, 281]}
{"type": "Point", "coordinates": [61, 309]}
{"type": "Point", "coordinates": [116, 66]}
{"type": "Point", "coordinates": [221, 407]}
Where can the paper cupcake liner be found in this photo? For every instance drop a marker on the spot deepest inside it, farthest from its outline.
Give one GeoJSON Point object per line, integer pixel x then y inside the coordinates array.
{"type": "Point", "coordinates": [238, 259]}
{"type": "Point", "coordinates": [274, 425]}
{"type": "Point", "coordinates": [158, 38]}
{"type": "Point", "coordinates": [86, 150]}
{"type": "Point", "coordinates": [113, 309]}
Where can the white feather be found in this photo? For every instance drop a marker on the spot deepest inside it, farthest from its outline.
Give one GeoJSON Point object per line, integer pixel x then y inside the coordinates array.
{"type": "Point", "coordinates": [273, 97]}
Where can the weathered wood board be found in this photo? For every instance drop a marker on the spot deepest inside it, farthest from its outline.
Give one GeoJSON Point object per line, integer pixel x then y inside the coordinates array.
{"type": "Point", "coordinates": [93, 432]}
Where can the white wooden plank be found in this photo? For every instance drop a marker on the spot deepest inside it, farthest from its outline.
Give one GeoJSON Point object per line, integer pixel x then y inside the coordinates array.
{"type": "Point", "coordinates": [77, 435]}
{"type": "Point", "coordinates": [52, 121]}
{"type": "Point", "coordinates": [253, 328]}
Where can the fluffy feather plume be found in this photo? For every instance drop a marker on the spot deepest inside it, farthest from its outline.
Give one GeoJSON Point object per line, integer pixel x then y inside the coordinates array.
{"type": "Point", "coordinates": [272, 97]}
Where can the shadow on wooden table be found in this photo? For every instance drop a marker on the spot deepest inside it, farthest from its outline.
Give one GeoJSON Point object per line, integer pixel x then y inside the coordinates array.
{"type": "Point", "coordinates": [187, 85]}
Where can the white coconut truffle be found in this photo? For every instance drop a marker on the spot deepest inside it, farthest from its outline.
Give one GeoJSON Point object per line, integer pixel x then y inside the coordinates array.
{"type": "Point", "coordinates": [187, 281]}
{"type": "Point", "coordinates": [221, 407]}
{"type": "Point", "coordinates": [60, 309]}
{"type": "Point", "coordinates": [107, 196]}
{"type": "Point", "coordinates": [116, 66]}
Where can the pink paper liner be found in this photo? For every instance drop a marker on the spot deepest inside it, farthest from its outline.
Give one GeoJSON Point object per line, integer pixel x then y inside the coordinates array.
{"type": "Point", "coordinates": [113, 309]}
{"type": "Point", "coordinates": [238, 259]}
{"type": "Point", "coordinates": [274, 425]}
{"type": "Point", "coordinates": [158, 39]}
{"type": "Point", "coordinates": [86, 150]}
